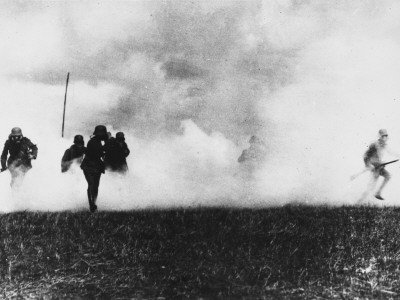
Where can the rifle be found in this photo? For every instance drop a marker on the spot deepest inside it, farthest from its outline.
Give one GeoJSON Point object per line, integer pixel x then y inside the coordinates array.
{"type": "Point", "coordinates": [378, 167]}
{"type": "Point", "coordinates": [386, 163]}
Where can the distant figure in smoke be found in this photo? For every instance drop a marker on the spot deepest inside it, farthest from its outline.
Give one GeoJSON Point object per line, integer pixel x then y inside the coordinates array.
{"type": "Point", "coordinates": [21, 151]}
{"type": "Point", "coordinates": [255, 153]}
{"type": "Point", "coordinates": [93, 163]}
{"type": "Point", "coordinates": [73, 154]}
{"type": "Point", "coordinates": [373, 162]}
{"type": "Point", "coordinates": [116, 153]}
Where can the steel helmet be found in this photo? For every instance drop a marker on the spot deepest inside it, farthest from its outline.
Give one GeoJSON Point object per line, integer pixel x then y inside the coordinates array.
{"type": "Point", "coordinates": [16, 131]}
{"type": "Point", "coordinates": [120, 136]}
{"type": "Point", "coordinates": [383, 132]}
{"type": "Point", "coordinates": [254, 140]}
{"type": "Point", "coordinates": [78, 140]}
{"type": "Point", "coordinates": [100, 130]}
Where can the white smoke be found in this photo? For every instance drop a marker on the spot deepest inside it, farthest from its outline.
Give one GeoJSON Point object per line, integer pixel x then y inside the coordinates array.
{"type": "Point", "coordinates": [188, 84]}
{"type": "Point", "coordinates": [343, 93]}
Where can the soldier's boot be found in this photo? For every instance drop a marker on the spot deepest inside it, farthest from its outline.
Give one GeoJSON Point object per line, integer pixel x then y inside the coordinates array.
{"type": "Point", "coordinates": [90, 198]}
{"type": "Point", "coordinates": [95, 193]}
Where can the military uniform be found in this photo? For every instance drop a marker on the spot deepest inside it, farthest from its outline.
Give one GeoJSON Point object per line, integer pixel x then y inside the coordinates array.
{"type": "Point", "coordinates": [373, 156]}
{"type": "Point", "coordinates": [373, 160]}
{"type": "Point", "coordinates": [73, 153]}
{"type": "Point", "coordinates": [21, 151]}
{"type": "Point", "coordinates": [116, 152]}
{"type": "Point", "coordinates": [93, 164]}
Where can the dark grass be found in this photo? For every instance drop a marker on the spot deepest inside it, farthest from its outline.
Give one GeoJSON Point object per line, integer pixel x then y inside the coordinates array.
{"type": "Point", "coordinates": [292, 252]}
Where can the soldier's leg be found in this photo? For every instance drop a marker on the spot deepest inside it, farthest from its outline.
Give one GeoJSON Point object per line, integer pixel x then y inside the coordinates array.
{"type": "Point", "coordinates": [371, 186]}
{"type": "Point", "coordinates": [90, 191]}
{"type": "Point", "coordinates": [96, 187]}
{"type": "Point", "coordinates": [386, 177]}
{"type": "Point", "coordinates": [22, 170]}
{"type": "Point", "coordinates": [15, 176]}
{"type": "Point", "coordinates": [89, 194]}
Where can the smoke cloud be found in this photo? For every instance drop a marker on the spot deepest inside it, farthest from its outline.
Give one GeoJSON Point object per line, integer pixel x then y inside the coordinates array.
{"type": "Point", "coordinates": [189, 83]}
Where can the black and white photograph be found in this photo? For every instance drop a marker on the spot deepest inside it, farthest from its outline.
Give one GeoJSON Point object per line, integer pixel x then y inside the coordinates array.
{"type": "Point", "coordinates": [200, 149]}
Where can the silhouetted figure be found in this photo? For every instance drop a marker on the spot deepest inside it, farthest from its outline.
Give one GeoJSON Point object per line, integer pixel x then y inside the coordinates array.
{"type": "Point", "coordinates": [73, 154]}
{"type": "Point", "coordinates": [373, 161]}
{"type": "Point", "coordinates": [116, 153]}
{"type": "Point", "coordinates": [93, 163]}
{"type": "Point", "coordinates": [255, 153]}
{"type": "Point", "coordinates": [21, 151]}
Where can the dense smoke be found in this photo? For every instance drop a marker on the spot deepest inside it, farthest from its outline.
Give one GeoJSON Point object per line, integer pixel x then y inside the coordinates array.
{"type": "Point", "coordinates": [189, 83]}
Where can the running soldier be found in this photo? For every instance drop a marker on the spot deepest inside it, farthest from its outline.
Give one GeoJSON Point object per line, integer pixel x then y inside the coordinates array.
{"type": "Point", "coordinates": [21, 151]}
{"type": "Point", "coordinates": [73, 154]}
{"type": "Point", "coordinates": [116, 153]}
{"type": "Point", "coordinates": [373, 162]}
{"type": "Point", "coordinates": [93, 164]}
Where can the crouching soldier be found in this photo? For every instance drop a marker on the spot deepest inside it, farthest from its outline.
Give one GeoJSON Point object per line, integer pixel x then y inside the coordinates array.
{"type": "Point", "coordinates": [73, 154]}
{"type": "Point", "coordinates": [116, 153]}
{"type": "Point", "coordinates": [21, 151]}
{"type": "Point", "coordinates": [93, 164]}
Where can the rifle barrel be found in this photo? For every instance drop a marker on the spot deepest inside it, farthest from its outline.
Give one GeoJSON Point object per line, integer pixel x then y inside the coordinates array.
{"type": "Point", "coordinates": [389, 162]}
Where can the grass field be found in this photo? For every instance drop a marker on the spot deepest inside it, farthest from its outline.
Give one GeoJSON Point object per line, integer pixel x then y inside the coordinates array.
{"type": "Point", "coordinates": [292, 252]}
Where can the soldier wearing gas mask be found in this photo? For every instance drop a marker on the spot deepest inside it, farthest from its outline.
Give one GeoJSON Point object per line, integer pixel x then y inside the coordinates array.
{"type": "Point", "coordinates": [21, 151]}
{"type": "Point", "coordinates": [73, 154]}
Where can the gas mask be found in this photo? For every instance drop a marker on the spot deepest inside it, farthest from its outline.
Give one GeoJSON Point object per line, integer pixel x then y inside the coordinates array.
{"type": "Point", "coordinates": [16, 138]}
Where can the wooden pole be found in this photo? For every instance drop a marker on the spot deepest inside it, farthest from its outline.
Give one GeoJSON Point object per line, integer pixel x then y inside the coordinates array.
{"type": "Point", "coordinates": [65, 103]}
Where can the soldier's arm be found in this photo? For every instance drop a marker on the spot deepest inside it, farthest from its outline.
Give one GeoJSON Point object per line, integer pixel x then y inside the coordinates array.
{"type": "Point", "coordinates": [368, 154]}
{"type": "Point", "coordinates": [33, 148]}
{"type": "Point", "coordinates": [366, 160]}
{"type": "Point", "coordinates": [34, 151]}
{"type": "Point", "coordinates": [126, 150]}
{"type": "Point", "coordinates": [4, 155]}
{"type": "Point", "coordinates": [98, 149]}
{"type": "Point", "coordinates": [67, 156]}
{"type": "Point", "coordinates": [65, 161]}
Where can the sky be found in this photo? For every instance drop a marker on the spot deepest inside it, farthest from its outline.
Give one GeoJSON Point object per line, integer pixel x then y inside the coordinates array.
{"type": "Point", "coordinates": [189, 83]}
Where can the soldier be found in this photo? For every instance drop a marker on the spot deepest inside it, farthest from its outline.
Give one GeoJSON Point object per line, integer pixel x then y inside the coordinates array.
{"type": "Point", "coordinates": [21, 151]}
{"type": "Point", "coordinates": [73, 154]}
{"type": "Point", "coordinates": [255, 153]}
{"type": "Point", "coordinates": [93, 163]}
{"type": "Point", "coordinates": [116, 153]}
{"type": "Point", "coordinates": [373, 162]}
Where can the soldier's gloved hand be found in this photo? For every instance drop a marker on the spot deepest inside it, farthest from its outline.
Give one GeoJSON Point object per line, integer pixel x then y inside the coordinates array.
{"type": "Point", "coordinates": [3, 169]}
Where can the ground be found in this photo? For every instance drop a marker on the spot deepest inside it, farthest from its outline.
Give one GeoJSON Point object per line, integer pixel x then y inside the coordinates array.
{"type": "Point", "coordinates": [291, 252]}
